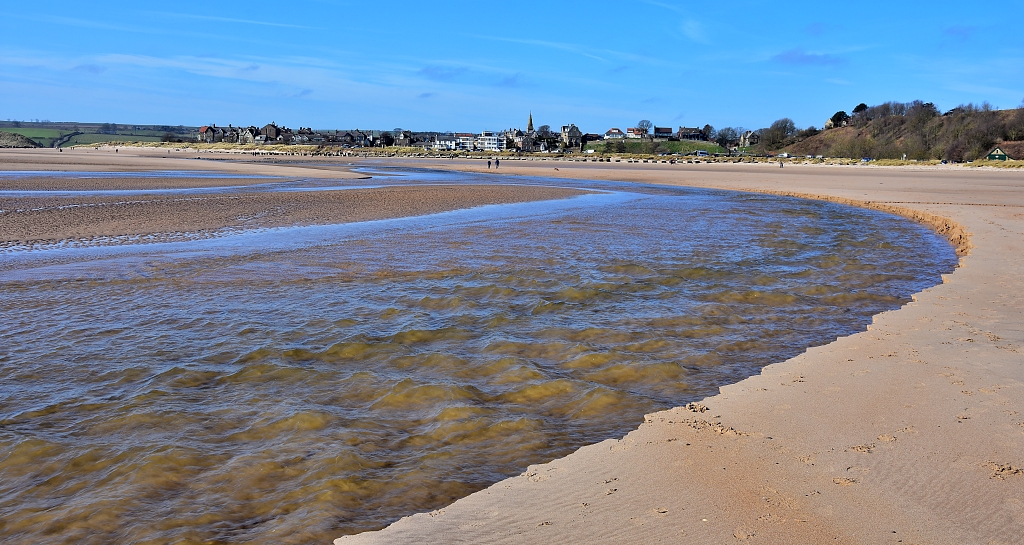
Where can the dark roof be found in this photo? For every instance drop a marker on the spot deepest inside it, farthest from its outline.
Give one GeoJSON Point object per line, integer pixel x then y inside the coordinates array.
{"type": "Point", "coordinates": [1013, 150]}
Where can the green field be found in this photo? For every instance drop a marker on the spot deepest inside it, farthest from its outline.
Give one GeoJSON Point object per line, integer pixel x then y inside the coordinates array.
{"type": "Point", "coordinates": [86, 139]}
{"type": "Point", "coordinates": [637, 147]}
{"type": "Point", "coordinates": [43, 136]}
{"type": "Point", "coordinates": [36, 133]}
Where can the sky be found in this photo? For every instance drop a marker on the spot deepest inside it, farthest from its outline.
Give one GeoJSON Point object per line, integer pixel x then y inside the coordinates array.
{"type": "Point", "coordinates": [472, 66]}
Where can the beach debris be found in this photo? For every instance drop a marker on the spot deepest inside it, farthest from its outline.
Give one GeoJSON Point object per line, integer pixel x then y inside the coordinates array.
{"type": "Point", "coordinates": [696, 407]}
{"type": "Point", "coordinates": [844, 481]}
{"type": "Point", "coordinates": [1002, 471]}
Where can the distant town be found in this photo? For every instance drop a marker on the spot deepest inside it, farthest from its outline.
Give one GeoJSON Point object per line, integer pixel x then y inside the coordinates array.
{"type": "Point", "coordinates": [897, 131]}
{"type": "Point", "coordinates": [568, 139]}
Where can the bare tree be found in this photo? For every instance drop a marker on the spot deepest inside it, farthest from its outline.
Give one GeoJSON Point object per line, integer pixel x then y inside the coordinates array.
{"type": "Point", "coordinates": [644, 126]}
{"type": "Point", "coordinates": [726, 136]}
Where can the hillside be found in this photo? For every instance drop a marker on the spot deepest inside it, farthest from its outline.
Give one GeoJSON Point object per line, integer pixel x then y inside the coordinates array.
{"type": "Point", "coordinates": [890, 130]}
{"type": "Point", "coordinates": [11, 140]}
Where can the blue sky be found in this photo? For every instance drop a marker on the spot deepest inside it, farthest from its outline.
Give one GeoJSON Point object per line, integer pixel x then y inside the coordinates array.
{"type": "Point", "coordinates": [470, 66]}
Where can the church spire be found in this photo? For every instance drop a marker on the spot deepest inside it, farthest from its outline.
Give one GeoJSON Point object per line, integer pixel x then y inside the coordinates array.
{"type": "Point", "coordinates": [529, 126]}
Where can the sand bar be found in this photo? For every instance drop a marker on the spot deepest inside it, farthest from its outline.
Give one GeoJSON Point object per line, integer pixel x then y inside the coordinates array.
{"type": "Point", "coordinates": [48, 220]}
{"type": "Point", "coordinates": [138, 159]}
{"type": "Point", "coordinates": [910, 432]}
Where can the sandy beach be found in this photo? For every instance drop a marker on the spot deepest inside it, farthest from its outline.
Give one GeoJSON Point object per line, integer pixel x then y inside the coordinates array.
{"type": "Point", "coordinates": [128, 218]}
{"type": "Point", "coordinates": [910, 432]}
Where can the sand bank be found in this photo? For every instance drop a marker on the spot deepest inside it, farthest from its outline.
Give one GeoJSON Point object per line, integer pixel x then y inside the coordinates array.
{"type": "Point", "coordinates": [119, 219]}
{"type": "Point", "coordinates": [910, 432]}
{"type": "Point", "coordinates": [139, 159]}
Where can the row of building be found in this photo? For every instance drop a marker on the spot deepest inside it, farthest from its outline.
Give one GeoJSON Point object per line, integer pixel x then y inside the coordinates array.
{"type": "Point", "coordinates": [570, 138]}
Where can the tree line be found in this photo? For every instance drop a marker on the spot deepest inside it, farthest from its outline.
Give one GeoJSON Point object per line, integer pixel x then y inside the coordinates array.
{"type": "Point", "coordinates": [894, 130]}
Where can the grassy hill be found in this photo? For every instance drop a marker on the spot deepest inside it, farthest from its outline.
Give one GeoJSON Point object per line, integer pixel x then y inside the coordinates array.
{"type": "Point", "coordinates": [14, 140]}
{"type": "Point", "coordinates": [637, 146]}
{"type": "Point", "coordinates": [890, 130]}
{"type": "Point", "coordinates": [44, 137]}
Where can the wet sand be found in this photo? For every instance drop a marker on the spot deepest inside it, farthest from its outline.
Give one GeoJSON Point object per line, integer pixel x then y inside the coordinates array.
{"type": "Point", "coordinates": [107, 219]}
{"type": "Point", "coordinates": [135, 159]}
{"type": "Point", "coordinates": [910, 432]}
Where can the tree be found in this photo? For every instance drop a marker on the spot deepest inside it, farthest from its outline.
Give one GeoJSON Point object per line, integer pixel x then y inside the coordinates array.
{"type": "Point", "coordinates": [644, 126]}
{"type": "Point", "coordinates": [709, 133]}
{"type": "Point", "coordinates": [726, 136]}
{"type": "Point", "coordinates": [840, 118]}
{"type": "Point", "coordinates": [544, 130]}
{"type": "Point", "coordinates": [860, 108]}
{"type": "Point", "coordinates": [775, 136]}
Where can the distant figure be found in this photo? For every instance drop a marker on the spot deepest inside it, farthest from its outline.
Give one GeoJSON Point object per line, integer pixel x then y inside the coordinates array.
{"type": "Point", "coordinates": [115, 150]}
{"type": "Point", "coordinates": [556, 168]}
{"type": "Point", "coordinates": [781, 164]}
{"type": "Point", "coordinates": [496, 163]}
{"type": "Point", "coordinates": [488, 164]}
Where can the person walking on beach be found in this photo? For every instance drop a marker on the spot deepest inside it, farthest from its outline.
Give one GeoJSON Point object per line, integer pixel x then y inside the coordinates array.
{"type": "Point", "coordinates": [488, 164]}
{"type": "Point", "coordinates": [496, 163]}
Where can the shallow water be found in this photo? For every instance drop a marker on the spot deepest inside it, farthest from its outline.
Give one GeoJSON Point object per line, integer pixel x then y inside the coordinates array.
{"type": "Point", "coordinates": [294, 385]}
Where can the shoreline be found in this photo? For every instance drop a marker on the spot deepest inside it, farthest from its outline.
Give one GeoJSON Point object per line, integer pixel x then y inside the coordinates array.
{"type": "Point", "coordinates": [909, 432]}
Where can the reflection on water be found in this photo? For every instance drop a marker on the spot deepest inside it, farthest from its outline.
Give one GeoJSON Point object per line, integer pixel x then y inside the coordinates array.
{"type": "Point", "coordinates": [295, 393]}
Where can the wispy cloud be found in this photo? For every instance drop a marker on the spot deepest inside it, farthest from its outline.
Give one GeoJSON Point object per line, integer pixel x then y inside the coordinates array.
{"type": "Point", "coordinates": [694, 30]}
{"type": "Point", "coordinates": [515, 80]}
{"type": "Point", "coordinates": [303, 93]}
{"type": "Point", "coordinates": [838, 81]}
{"type": "Point", "coordinates": [441, 73]}
{"type": "Point", "coordinates": [960, 32]}
{"type": "Point", "coordinates": [815, 29]}
{"type": "Point", "coordinates": [90, 68]}
{"type": "Point", "coordinates": [671, 7]}
{"type": "Point", "coordinates": [559, 46]}
{"type": "Point", "coordinates": [229, 20]}
{"type": "Point", "coordinates": [426, 95]}
{"type": "Point", "coordinates": [799, 56]}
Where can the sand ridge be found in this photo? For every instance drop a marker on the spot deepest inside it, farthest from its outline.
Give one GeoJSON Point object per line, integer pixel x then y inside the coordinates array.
{"type": "Point", "coordinates": [910, 432]}
{"type": "Point", "coordinates": [87, 220]}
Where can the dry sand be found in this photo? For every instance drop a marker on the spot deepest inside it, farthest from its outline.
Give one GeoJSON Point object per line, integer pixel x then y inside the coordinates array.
{"type": "Point", "coordinates": [910, 432]}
